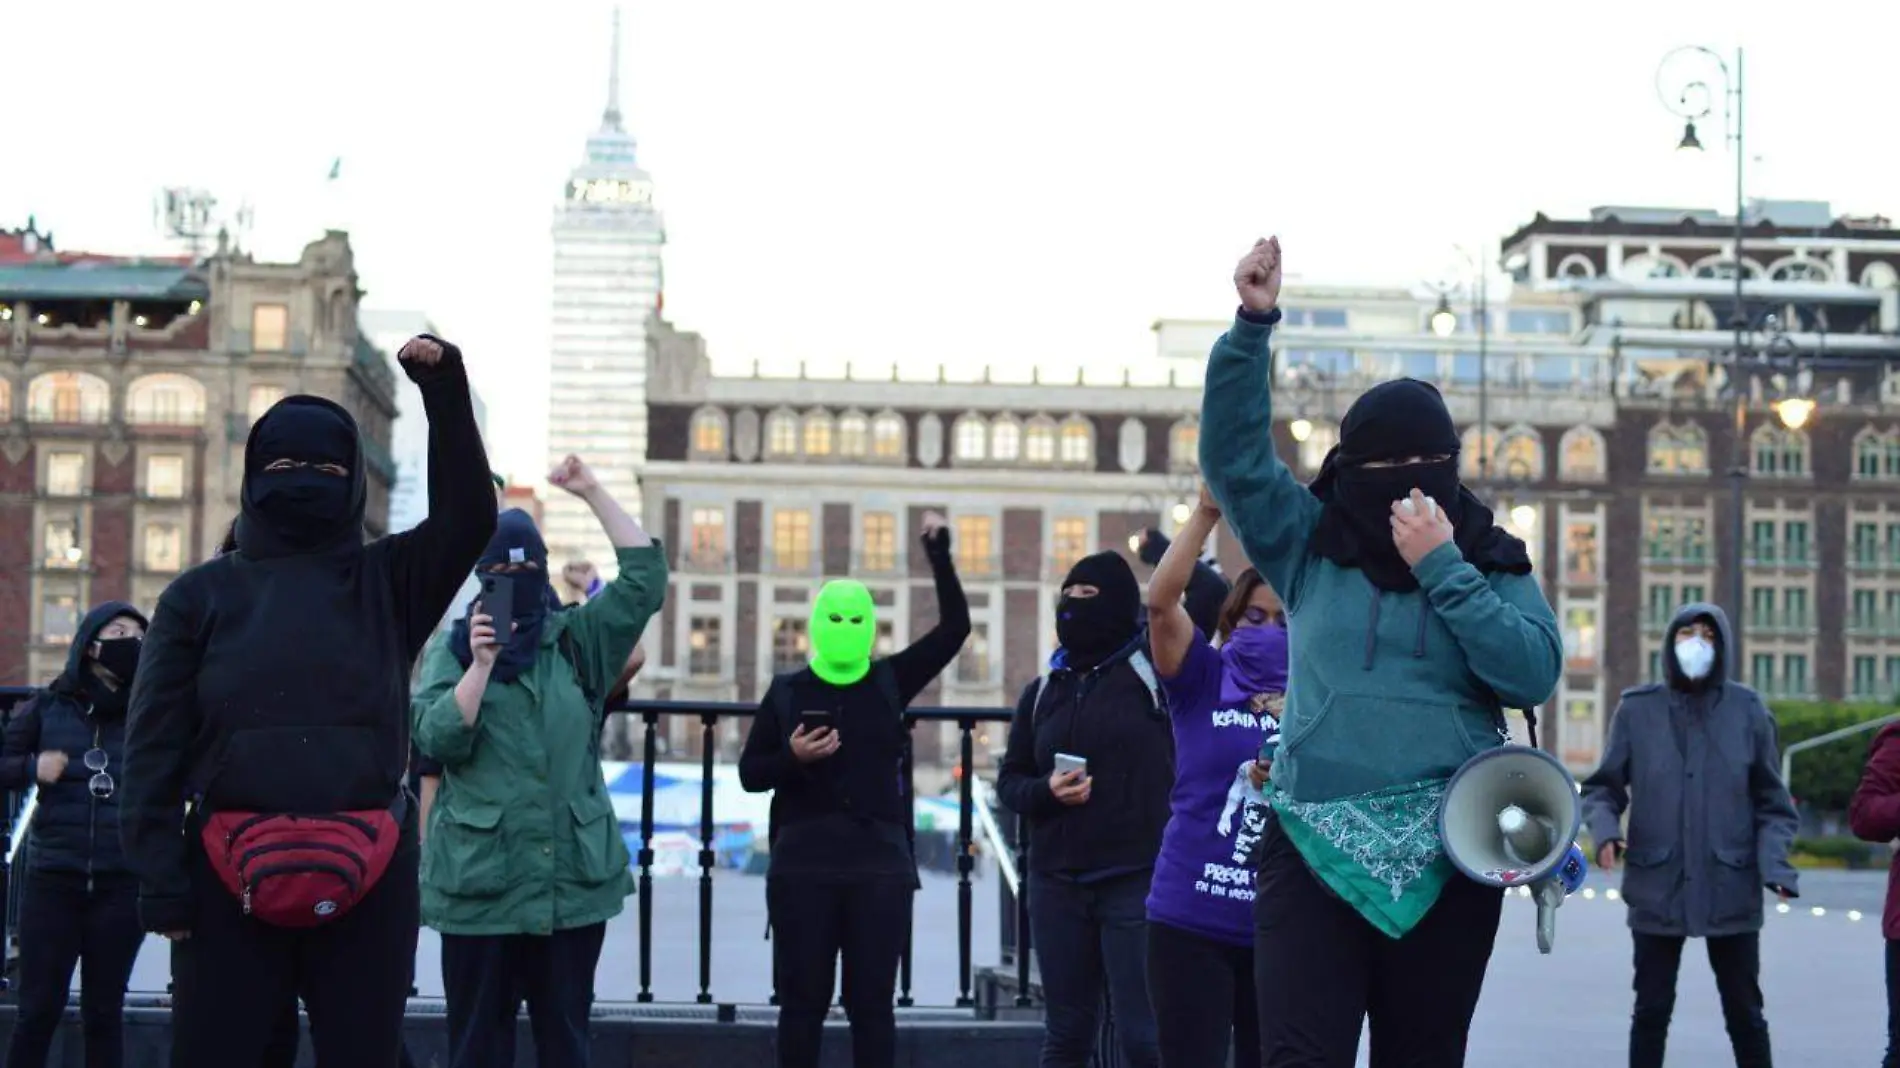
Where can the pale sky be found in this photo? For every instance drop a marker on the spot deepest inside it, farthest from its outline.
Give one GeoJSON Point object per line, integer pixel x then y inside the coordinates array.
{"type": "Point", "coordinates": [982, 182]}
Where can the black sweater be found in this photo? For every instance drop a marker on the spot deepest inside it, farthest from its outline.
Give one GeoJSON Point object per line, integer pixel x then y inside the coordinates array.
{"type": "Point", "coordinates": [845, 815]}
{"type": "Point", "coordinates": [1107, 717]}
{"type": "Point", "coordinates": [279, 682]}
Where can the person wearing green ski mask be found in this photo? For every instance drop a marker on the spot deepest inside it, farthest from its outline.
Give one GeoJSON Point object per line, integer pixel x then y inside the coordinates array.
{"type": "Point", "coordinates": [829, 742]}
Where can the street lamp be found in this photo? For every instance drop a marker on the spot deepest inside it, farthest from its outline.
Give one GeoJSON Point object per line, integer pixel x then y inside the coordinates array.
{"type": "Point", "coordinates": [1444, 321]}
{"type": "Point", "coordinates": [1301, 429]}
{"type": "Point", "coordinates": [1692, 102]}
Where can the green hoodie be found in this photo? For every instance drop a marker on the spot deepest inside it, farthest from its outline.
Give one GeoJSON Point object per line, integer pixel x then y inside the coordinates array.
{"type": "Point", "coordinates": [1387, 693]}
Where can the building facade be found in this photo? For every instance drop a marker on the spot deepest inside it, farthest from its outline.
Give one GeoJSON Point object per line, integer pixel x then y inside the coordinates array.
{"type": "Point", "coordinates": [129, 391]}
{"type": "Point", "coordinates": [409, 437]}
{"type": "Point", "coordinates": [607, 243]}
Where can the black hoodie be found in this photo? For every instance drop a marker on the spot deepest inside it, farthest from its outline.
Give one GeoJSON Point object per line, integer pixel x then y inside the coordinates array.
{"type": "Point", "coordinates": [276, 678]}
{"type": "Point", "coordinates": [74, 832]}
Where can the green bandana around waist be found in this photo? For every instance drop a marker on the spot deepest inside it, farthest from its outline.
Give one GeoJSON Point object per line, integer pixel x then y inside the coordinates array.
{"type": "Point", "coordinates": [1378, 851]}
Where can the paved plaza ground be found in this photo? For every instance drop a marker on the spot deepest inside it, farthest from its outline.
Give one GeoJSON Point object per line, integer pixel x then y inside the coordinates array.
{"type": "Point", "coordinates": [1822, 974]}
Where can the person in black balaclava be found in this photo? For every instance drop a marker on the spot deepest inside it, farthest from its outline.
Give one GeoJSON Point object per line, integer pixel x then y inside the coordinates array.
{"type": "Point", "coordinates": [1092, 855]}
{"type": "Point", "coordinates": [275, 681]}
{"type": "Point", "coordinates": [79, 903]}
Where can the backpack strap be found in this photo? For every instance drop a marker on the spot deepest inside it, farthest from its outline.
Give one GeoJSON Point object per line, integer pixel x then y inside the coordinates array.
{"type": "Point", "coordinates": [1146, 671]}
{"type": "Point", "coordinates": [1035, 702]}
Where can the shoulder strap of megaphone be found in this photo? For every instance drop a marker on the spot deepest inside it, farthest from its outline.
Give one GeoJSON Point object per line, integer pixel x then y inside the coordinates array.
{"type": "Point", "coordinates": [1530, 724]}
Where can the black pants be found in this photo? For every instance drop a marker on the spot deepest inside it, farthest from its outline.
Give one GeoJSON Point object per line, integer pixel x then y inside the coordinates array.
{"type": "Point", "coordinates": [1203, 997]}
{"type": "Point", "coordinates": [282, 1051]}
{"type": "Point", "coordinates": [1893, 1006]}
{"type": "Point", "coordinates": [232, 978]}
{"type": "Point", "coordinates": [1091, 938]}
{"type": "Point", "coordinates": [1736, 961]}
{"type": "Point", "coordinates": [1322, 970]}
{"type": "Point", "coordinates": [62, 922]}
{"type": "Point", "coordinates": [814, 924]}
{"type": "Point", "coordinates": [486, 978]}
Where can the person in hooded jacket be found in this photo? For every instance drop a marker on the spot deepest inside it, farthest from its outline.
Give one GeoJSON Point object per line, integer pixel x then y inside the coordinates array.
{"type": "Point", "coordinates": [1710, 827]}
{"type": "Point", "coordinates": [1874, 815]}
{"type": "Point", "coordinates": [525, 862]}
{"type": "Point", "coordinates": [79, 903]}
{"type": "Point", "coordinates": [829, 741]}
{"type": "Point", "coordinates": [1413, 622]}
{"type": "Point", "coordinates": [1093, 831]}
{"type": "Point", "coordinates": [275, 681]}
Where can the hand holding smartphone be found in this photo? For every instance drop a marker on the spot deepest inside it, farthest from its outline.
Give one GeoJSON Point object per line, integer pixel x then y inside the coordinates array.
{"type": "Point", "coordinates": [1071, 783]}
{"type": "Point", "coordinates": [816, 737]}
{"type": "Point", "coordinates": [498, 604]}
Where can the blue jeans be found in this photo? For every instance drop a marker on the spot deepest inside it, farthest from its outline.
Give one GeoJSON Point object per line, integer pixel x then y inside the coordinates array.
{"type": "Point", "coordinates": [1090, 937]}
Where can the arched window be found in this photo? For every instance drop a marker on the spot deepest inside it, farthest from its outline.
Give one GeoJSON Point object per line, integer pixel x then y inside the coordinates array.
{"type": "Point", "coordinates": [165, 400]}
{"type": "Point", "coordinates": [1580, 455]}
{"type": "Point", "coordinates": [1877, 455]}
{"type": "Point", "coordinates": [1184, 443]}
{"type": "Point", "coordinates": [1799, 270]}
{"type": "Point", "coordinates": [818, 433]}
{"type": "Point", "coordinates": [1078, 441]}
{"type": "Point", "coordinates": [1006, 440]}
{"type": "Point", "coordinates": [709, 433]}
{"type": "Point", "coordinates": [971, 439]}
{"type": "Point", "coordinates": [68, 397]}
{"type": "Point", "coordinates": [1879, 275]}
{"type": "Point", "coordinates": [1678, 450]}
{"type": "Point", "coordinates": [887, 436]}
{"type": "Point", "coordinates": [854, 434]}
{"type": "Point", "coordinates": [781, 434]}
{"type": "Point", "coordinates": [1472, 450]}
{"type": "Point", "coordinates": [1778, 452]}
{"type": "Point", "coordinates": [1576, 265]}
{"type": "Point", "coordinates": [1637, 268]}
{"type": "Point", "coordinates": [1039, 441]}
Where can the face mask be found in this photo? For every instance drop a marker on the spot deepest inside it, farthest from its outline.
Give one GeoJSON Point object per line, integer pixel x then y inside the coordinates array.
{"type": "Point", "coordinates": [120, 656]}
{"type": "Point", "coordinates": [1695, 656]}
{"type": "Point", "coordinates": [843, 630]}
{"type": "Point", "coordinates": [1255, 658]}
{"type": "Point", "coordinates": [302, 500]}
{"type": "Point", "coordinates": [1091, 627]}
{"type": "Point", "coordinates": [1370, 491]}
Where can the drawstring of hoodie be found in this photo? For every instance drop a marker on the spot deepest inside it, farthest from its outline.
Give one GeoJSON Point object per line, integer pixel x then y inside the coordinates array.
{"type": "Point", "coordinates": [1372, 630]}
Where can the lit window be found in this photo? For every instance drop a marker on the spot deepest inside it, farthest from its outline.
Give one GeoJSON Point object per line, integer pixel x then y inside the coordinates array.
{"type": "Point", "coordinates": [1039, 442]}
{"type": "Point", "coordinates": [165, 400]}
{"type": "Point", "coordinates": [791, 540]}
{"type": "Point", "coordinates": [165, 477]}
{"type": "Point", "coordinates": [973, 662]}
{"type": "Point", "coordinates": [791, 646]}
{"type": "Point", "coordinates": [879, 535]}
{"type": "Point", "coordinates": [887, 437]}
{"type": "Point", "coordinates": [1184, 444]}
{"type": "Point", "coordinates": [1006, 441]}
{"type": "Point", "coordinates": [1678, 450]}
{"type": "Point", "coordinates": [164, 547]}
{"type": "Point", "coordinates": [1068, 542]}
{"type": "Point", "coordinates": [67, 397]}
{"type": "Point", "coordinates": [66, 474]}
{"type": "Point", "coordinates": [1580, 455]}
{"type": "Point", "coordinates": [818, 434]}
{"type": "Point", "coordinates": [703, 651]}
{"type": "Point", "coordinates": [972, 438]}
{"type": "Point", "coordinates": [975, 546]}
{"type": "Point", "coordinates": [1580, 638]}
{"type": "Point", "coordinates": [781, 434]}
{"type": "Point", "coordinates": [262, 399]}
{"type": "Point", "coordinates": [854, 434]}
{"type": "Point", "coordinates": [708, 537]}
{"type": "Point", "coordinates": [59, 618]}
{"type": "Point", "coordinates": [1519, 457]}
{"type": "Point", "coordinates": [270, 328]}
{"type": "Point", "coordinates": [1076, 441]}
{"type": "Point", "coordinates": [709, 433]}
{"type": "Point", "coordinates": [60, 543]}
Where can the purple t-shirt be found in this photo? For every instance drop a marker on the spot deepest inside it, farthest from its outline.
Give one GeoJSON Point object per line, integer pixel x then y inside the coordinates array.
{"type": "Point", "coordinates": [1202, 882]}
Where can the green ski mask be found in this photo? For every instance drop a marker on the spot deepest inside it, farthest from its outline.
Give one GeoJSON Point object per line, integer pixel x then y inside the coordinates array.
{"type": "Point", "coordinates": [843, 629]}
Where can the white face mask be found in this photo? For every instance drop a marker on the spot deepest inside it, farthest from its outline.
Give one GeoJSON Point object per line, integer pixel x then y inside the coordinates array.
{"type": "Point", "coordinates": [1695, 656]}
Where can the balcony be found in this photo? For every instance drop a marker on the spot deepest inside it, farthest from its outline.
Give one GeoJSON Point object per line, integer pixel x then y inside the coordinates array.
{"type": "Point", "coordinates": [1874, 557]}
{"type": "Point", "coordinates": [1787, 623]}
{"type": "Point", "coordinates": [1766, 553]}
{"type": "Point", "coordinates": [1874, 625]}
{"type": "Point", "coordinates": [705, 562]}
{"type": "Point", "coordinates": [1784, 689]}
{"type": "Point", "coordinates": [1677, 552]}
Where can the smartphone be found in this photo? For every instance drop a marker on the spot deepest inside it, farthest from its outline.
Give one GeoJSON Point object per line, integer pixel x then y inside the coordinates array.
{"type": "Point", "coordinates": [1269, 745]}
{"type": "Point", "coordinates": [497, 602]}
{"type": "Point", "coordinates": [1066, 763]}
{"type": "Point", "coordinates": [817, 719]}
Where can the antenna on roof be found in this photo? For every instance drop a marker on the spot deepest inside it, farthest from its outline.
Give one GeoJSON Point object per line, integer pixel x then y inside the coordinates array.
{"type": "Point", "coordinates": [185, 215]}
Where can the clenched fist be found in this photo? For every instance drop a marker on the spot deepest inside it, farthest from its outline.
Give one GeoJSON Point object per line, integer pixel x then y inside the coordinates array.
{"type": "Point", "coordinates": [421, 350]}
{"type": "Point", "coordinates": [573, 476]}
{"type": "Point", "coordinates": [1257, 278]}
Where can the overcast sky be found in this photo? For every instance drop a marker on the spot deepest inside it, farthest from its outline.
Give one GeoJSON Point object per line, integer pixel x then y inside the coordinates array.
{"type": "Point", "coordinates": [970, 183]}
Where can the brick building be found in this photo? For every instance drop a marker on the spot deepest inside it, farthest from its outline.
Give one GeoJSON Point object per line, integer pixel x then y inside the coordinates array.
{"type": "Point", "coordinates": [129, 388]}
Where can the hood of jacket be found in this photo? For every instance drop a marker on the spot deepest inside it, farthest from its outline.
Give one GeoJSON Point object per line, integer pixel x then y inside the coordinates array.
{"type": "Point", "coordinates": [72, 680]}
{"type": "Point", "coordinates": [255, 536]}
{"type": "Point", "coordinates": [1724, 646]}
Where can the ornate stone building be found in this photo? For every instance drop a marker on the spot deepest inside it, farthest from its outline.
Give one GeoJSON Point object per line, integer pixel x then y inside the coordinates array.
{"type": "Point", "coordinates": [129, 388]}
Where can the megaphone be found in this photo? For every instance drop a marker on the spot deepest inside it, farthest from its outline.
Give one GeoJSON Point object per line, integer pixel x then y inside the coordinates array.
{"type": "Point", "coordinates": [1510, 818]}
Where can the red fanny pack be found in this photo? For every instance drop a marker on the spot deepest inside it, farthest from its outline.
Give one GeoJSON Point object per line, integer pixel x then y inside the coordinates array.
{"type": "Point", "coordinates": [301, 870]}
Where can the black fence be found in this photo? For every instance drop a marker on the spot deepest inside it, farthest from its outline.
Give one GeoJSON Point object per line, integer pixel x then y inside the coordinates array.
{"type": "Point", "coordinates": [649, 716]}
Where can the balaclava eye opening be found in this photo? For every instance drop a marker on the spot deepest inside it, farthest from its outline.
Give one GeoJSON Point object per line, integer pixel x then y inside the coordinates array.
{"type": "Point", "coordinates": [843, 631]}
{"type": "Point", "coordinates": [1092, 629]}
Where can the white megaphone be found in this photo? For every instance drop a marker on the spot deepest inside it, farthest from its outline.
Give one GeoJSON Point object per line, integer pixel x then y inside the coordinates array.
{"type": "Point", "coordinates": [1510, 818]}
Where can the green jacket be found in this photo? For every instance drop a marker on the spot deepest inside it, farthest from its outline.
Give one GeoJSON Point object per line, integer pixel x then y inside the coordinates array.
{"type": "Point", "coordinates": [523, 838]}
{"type": "Point", "coordinates": [1387, 693]}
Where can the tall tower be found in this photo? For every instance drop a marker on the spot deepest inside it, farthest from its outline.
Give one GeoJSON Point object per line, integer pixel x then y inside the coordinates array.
{"type": "Point", "coordinates": [607, 242]}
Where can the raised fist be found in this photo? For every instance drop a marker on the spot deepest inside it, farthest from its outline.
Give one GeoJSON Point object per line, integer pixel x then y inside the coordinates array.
{"type": "Point", "coordinates": [573, 476]}
{"type": "Point", "coordinates": [936, 531]}
{"type": "Point", "coordinates": [1257, 278]}
{"type": "Point", "coordinates": [421, 350]}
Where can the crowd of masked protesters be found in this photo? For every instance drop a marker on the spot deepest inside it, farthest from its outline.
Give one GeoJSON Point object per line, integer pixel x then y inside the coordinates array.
{"type": "Point", "coordinates": [1230, 789]}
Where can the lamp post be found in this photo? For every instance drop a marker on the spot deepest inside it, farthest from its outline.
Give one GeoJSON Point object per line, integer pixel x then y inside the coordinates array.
{"type": "Point", "coordinates": [1694, 101]}
{"type": "Point", "coordinates": [1444, 323]}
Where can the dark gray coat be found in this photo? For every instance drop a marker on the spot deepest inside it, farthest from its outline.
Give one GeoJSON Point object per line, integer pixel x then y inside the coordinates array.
{"type": "Point", "coordinates": [1710, 821]}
